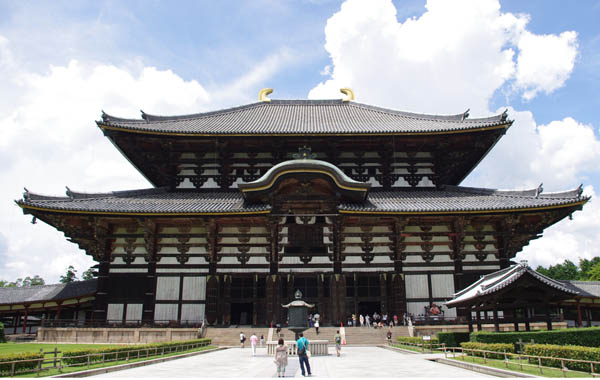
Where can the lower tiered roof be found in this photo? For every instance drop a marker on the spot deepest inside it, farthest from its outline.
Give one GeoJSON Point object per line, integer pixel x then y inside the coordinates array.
{"type": "Point", "coordinates": [161, 201]}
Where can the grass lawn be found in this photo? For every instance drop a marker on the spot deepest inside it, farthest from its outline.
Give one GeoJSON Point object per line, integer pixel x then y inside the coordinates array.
{"type": "Point", "coordinates": [16, 348]}
{"type": "Point", "coordinates": [52, 372]}
{"type": "Point", "coordinates": [513, 365]}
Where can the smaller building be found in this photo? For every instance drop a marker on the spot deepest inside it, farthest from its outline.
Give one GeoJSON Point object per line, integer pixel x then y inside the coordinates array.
{"type": "Point", "coordinates": [24, 309]}
{"type": "Point", "coordinates": [519, 294]}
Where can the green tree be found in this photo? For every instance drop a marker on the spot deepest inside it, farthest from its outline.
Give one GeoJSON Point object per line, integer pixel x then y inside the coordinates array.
{"type": "Point", "coordinates": [565, 271]}
{"type": "Point", "coordinates": [70, 276]}
{"type": "Point", "coordinates": [33, 281]}
{"type": "Point", "coordinates": [88, 274]}
{"type": "Point", "coordinates": [594, 273]}
{"type": "Point", "coordinates": [586, 266]}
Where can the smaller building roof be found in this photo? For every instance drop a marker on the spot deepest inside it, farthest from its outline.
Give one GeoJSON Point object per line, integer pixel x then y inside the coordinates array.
{"type": "Point", "coordinates": [45, 293]}
{"type": "Point", "coordinates": [494, 282]}
{"type": "Point", "coordinates": [586, 289]}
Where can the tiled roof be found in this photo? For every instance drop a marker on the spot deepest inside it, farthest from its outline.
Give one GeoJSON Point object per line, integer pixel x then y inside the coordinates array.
{"type": "Point", "coordinates": [457, 198]}
{"type": "Point", "coordinates": [159, 200]}
{"type": "Point", "coordinates": [586, 289]}
{"type": "Point", "coordinates": [496, 281]}
{"type": "Point", "coordinates": [55, 292]}
{"type": "Point", "coordinates": [303, 117]}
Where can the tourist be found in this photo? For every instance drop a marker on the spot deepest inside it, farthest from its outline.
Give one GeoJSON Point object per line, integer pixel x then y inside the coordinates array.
{"type": "Point", "coordinates": [389, 336]}
{"type": "Point", "coordinates": [362, 321]}
{"type": "Point", "coordinates": [384, 319]}
{"type": "Point", "coordinates": [338, 343]}
{"type": "Point", "coordinates": [281, 358]}
{"type": "Point", "coordinates": [353, 319]}
{"type": "Point", "coordinates": [368, 321]}
{"type": "Point", "coordinates": [253, 343]}
{"type": "Point", "coordinates": [262, 340]}
{"type": "Point", "coordinates": [242, 339]}
{"type": "Point", "coordinates": [278, 325]}
{"type": "Point", "coordinates": [310, 320]}
{"type": "Point", "coordinates": [302, 346]}
{"type": "Point", "coordinates": [317, 326]}
{"type": "Point", "coordinates": [395, 319]}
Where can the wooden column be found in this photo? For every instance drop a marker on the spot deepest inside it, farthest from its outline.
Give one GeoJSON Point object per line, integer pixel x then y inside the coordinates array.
{"type": "Point", "coordinates": [496, 322]}
{"type": "Point", "coordinates": [212, 297]}
{"type": "Point", "coordinates": [579, 321]}
{"type": "Point", "coordinates": [273, 298]}
{"type": "Point", "coordinates": [526, 314]}
{"type": "Point", "coordinates": [515, 320]}
{"type": "Point", "coordinates": [548, 318]}
{"type": "Point", "coordinates": [150, 232]}
{"type": "Point", "coordinates": [469, 318]}
{"type": "Point", "coordinates": [274, 262]}
{"type": "Point", "coordinates": [478, 317]}
{"type": "Point", "coordinates": [338, 298]}
{"type": "Point", "coordinates": [337, 245]}
{"type": "Point", "coordinates": [25, 319]}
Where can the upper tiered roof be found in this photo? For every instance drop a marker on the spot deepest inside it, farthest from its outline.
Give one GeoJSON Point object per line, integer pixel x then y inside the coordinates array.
{"type": "Point", "coordinates": [295, 117]}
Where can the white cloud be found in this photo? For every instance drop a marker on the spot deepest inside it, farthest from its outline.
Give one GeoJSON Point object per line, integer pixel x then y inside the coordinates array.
{"type": "Point", "coordinates": [49, 140]}
{"type": "Point", "coordinates": [545, 62]}
{"type": "Point", "coordinates": [457, 55]}
{"type": "Point", "coordinates": [454, 56]}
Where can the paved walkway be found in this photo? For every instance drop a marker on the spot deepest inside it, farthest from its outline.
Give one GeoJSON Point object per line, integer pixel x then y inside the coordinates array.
{"type": "Point", "coordinates": [354, 362]}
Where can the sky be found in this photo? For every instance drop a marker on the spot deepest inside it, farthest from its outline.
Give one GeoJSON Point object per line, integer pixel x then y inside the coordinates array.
{"type": "Point", "coordinates": [63, 62]}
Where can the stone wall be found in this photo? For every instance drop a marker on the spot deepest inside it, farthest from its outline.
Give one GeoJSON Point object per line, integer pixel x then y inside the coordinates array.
{"type": "Point", "coordinates": [114, 335]}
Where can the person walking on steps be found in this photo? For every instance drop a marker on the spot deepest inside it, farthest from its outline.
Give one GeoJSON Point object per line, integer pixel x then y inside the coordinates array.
{"type": "Point", "coordinates": [281, 357]}
{"type": "Point", "coordinates": [338, 343]}
{"type": "Point", "coordinates": [253, 343]}
{"type": "Point", "coordinates": [242, 339]}
{"type": "Point", "coordinates": [317, 326]}
{"type": "Point", "coordinates": [302, 346]}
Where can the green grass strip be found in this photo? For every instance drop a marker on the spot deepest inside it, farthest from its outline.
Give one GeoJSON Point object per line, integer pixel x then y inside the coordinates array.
{"type": "Point", "coordinates": [53, 372]}
{"type": "Point", "coordinates": [513, 365]}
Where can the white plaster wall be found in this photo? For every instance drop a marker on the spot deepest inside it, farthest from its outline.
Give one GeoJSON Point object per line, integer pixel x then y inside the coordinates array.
{"type": "Point", "coordinates": [192, 313]}
{"type": "Point", "coordinates": [167, 288]}
{"type": "Point", "coordinates": [442, 285]}
{"type": "Point", "coordinates": [134, 312]}
{"type": "Point", "coordinates": [114, 311]}
{"type": "Point", "coordinates": [416, 286]}
{"type": "Point", "coordinates": [165, 312]}
{"type": "Point", "coordinates": [194, 288]}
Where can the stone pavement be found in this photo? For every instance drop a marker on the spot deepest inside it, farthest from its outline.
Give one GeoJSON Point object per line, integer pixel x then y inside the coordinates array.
{"type": "Point", "coordinates": [354, 362]}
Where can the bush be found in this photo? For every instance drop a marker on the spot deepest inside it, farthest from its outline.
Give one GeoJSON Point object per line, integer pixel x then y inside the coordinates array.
{"type": "Point", "coordinates": [28, 366]}
{"type": "Point", "coordinates": [79, 357]}
{"type": "Point", "coordinates": [589, 337]}
{"type": "Point", "coordinates": [2, 338]}
{"type": "Point", "coordinates": [497, 347]}
{"type": "Point", "coordinates": [453, 339]}
{"type": "Point", "coordinates": [418, 340]}
{"type": "Point", "coordinates": [565, 352]}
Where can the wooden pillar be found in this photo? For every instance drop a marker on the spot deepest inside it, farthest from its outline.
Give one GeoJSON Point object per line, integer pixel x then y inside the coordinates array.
{"type": "Point", "coordinates": [479, 328]}
{"type": "Point", "coordinates": [589, 316]}
{"type": "Point", "coordinates": [25, 319]}
{"type": "Point", "coordinates": [148, 307]}
{"type": "Point", "coordinates": [337, 245]}
{"type": "Point", "coordinates": [58, 309]}
{"type": "Point", "coordinates": [101, 301]}
{"type": "Point", "coordinates": [548, 318]}
{"type": "Point", "coordinates": [579, 322]}
{"type": "Point", "coordinates": [496, 322]}
{"type": "Point", "coordinates": [515, 319]}
{"type": "Point", "coordinates": [212, 296]}
{"type": "Point", "coordinates": [526, 315]}
{"type": "Point", "coordinates": [338, 298]}
{"type": "Point", "coordinates": [469, 318]}
{"type": "Point", "coordinates": [274, 262]}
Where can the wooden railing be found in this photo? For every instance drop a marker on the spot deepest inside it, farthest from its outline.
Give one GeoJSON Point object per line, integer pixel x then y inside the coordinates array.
{"type": "Point", "coordinates": [523, 360]}
{"type": "Point", "coordinates": [37, 366]}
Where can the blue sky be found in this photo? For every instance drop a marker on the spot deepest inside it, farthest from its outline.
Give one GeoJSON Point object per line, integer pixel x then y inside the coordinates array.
{"type": "Point", "coordinates": [62, 62]}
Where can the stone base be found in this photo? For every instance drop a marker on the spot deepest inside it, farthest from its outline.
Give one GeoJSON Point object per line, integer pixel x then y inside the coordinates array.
{"type": "Point", "coordinates": [114, 335]}
{"type": "Point", "coordinates": [434, 329]}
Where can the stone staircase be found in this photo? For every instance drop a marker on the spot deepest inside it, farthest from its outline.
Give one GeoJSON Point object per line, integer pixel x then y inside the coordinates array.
{"type": "Point", "coordinates": [358, 336]}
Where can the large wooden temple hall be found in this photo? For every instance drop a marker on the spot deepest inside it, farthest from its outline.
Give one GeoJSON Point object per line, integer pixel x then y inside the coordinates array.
{"type": "Point", "coordinates": [357, 206]}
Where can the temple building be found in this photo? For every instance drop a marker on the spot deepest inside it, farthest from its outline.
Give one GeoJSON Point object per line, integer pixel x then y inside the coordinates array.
{"type": "Point", "coordinates": [359, 207]}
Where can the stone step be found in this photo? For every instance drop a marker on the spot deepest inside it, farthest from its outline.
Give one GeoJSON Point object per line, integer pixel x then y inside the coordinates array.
{"type": "Point", "coordinates": [354, 335]}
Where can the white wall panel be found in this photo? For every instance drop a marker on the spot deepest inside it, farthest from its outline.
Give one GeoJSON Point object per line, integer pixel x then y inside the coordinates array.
{"type": "Point", "coordinates": [114, 312]}
{"type": "Point", "coordinates": [416, 308]}
{"type": "Point", "coordinates": [194, 289]}
{"type": "Point", "coordinates": [416, 286]}
{"type": "Point", "coordinates": [134, 312]}
{"type": "Point", "coordinates": [165, 312]}
{"type": "Point", "coordinates": [192, 313]}
{"type": "Point", "coordinates": [442, 285]}
{"type": "Point", "coordinates": [167, 288]}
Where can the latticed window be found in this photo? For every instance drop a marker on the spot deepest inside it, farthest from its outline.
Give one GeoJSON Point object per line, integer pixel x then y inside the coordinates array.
{"type": "Point", "coordinates": [242, 287]}
{"type": "Point", "coordinates": [307, 285]}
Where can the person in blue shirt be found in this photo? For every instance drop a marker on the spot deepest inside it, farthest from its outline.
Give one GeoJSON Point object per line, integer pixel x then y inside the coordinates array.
{"type": "Point", "coordinates": [302, 346]}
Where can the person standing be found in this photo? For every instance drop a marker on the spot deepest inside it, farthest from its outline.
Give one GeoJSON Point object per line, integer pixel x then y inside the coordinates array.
{"type": "Point", "coordinates": [242, 339]}
{"type": "Point", "coordinates": [281, 358]}
{"type": "Point", "coordinates": [262, 340]}
{"type": "Point", "coordinates": [317, 326]}
{"type": "Point", "coordinates": [362, 321]}
{"type": "Point", "coordinates": [368, 321]}
{"type": "Point", "coordinates": [253, 343]}
{"type": "Point", "coordinates": [338, 343]}
{"type": "Point", "coordinates": [353, 320]}
{"type": "Point", "coordinates": [389, 336]}
{"type": "Point", "coordinates": [302, 347]}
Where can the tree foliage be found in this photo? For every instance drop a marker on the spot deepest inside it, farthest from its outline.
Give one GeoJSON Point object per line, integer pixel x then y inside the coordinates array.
{"type": "Point", "coordinates": [587, 270]}
{"type": "Point", "coordinates": [70, 276]}
{"type": "Point", "coordinates": [20, 282]}
{"type": "Point", "coordinates": [88, 274]}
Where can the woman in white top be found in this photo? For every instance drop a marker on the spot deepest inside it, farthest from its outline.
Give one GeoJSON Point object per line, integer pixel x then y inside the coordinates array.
{"type": "Point", "coordinates": [281, 358]}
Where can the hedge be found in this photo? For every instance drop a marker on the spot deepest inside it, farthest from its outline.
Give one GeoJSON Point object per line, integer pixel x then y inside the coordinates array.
{"type": "Point", "coordinates": [565, 352]}
{"type": "Point", "coordinates": [28, 366]}
{"type": "Point", "coordinates": [498, 347]}
{"type": "Point", "coordinates": [2, 338]}
{"type": "Point", "coordinates": [120, 352]}
{"type": "Point", "coordinates": [418, 340]}
{"type": "Point", "coordinates": [589, 337]}
{"type": "Point", "coordinates": [453, 339]}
